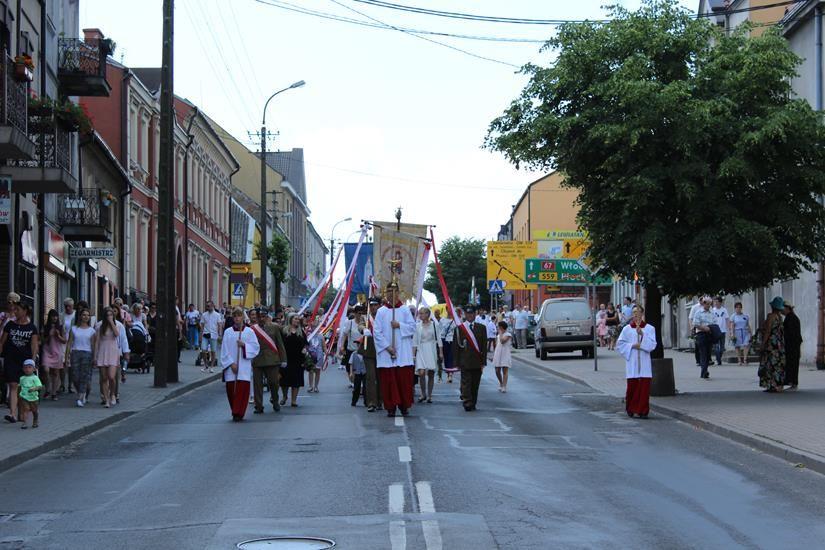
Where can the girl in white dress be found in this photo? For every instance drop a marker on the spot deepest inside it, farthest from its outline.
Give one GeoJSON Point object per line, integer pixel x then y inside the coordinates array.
{"type": "Point", "coordinates": [427, 353]}
{"type": "Point", "coordinates": [502, 357]}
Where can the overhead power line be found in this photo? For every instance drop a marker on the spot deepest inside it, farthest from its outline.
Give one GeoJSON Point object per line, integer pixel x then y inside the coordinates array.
{"type": "Point", "coordinates": [442, 44]}
{"type": "Point", "coordinates": [335, 17]}
{"type": "Point", "coordinates": [550, 22]}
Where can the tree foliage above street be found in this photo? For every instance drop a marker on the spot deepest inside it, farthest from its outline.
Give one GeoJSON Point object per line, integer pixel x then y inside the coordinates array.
{"type": "Point", "coordinates": [277, 257]}
{"type": "Point", "coordinates": [696, 166]}
{"type": "Point", "coordinates": [461, 260]}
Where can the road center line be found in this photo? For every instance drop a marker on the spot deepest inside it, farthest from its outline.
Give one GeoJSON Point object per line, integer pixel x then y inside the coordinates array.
{"type": "Point", "coordinates": [404, 454]}
{"type": "Point", "coordinates": [399, 421]}
{"type": "Point", "coordinates": [397, 498]}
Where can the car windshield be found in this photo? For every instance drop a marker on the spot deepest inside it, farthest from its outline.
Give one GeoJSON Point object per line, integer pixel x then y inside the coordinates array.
{"type": "Point", "coordinates": [563, 311]}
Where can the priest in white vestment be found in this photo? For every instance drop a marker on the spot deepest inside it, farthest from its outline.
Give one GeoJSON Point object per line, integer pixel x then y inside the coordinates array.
{"type": "Point", "coordinates": [635, 343]}
{"type": "Point", "coordinates": [393, 335]}
{"type": "Point", "coordinates": [238, 348]}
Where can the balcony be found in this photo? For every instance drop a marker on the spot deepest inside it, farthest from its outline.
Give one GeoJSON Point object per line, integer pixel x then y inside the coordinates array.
{"type": "Point", "coordinates": [81, 67]}
{"type": "Point", "coordinates": [14, 139]}
{"type": "Point", "coordinates": [50, 170]}
{"type": "Point", "coordinates": [84, 216]}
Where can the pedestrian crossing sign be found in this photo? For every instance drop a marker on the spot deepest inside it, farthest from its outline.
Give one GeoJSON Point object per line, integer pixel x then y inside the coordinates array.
{"type": "Point", "coordinates": [496, 286]}
{"type": "Point", "coordinates": [237, 290]}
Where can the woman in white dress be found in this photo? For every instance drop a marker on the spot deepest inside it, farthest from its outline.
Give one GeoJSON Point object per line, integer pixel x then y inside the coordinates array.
{"type": "Point", "coordinates": [427, 353]}
{"type": "Point", "coordinates": [502, 357]}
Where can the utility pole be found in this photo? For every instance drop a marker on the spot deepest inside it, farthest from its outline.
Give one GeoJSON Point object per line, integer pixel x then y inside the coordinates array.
{"type": "Point", "coordinates": [264, 217]}
{"type": "Point", "coordinates": [166, 365]}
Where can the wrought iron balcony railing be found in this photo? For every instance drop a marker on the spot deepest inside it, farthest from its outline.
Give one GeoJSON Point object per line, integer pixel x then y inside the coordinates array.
{"type": "Point", "coordinates": [14, 100]}
{"type": "Point", "coordinates": [52, 139]}
{"type": "Point", "coordinates": [84, 215]}
{"type": "Point", "coordinates": [81, 66]}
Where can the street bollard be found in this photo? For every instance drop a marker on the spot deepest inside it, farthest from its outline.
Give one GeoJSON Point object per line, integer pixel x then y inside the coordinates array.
{"type": "Point", "coordinates": [663, 383]}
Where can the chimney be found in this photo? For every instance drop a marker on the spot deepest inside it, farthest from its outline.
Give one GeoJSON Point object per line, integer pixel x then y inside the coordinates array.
{"type": "Point", "coordinates": [91, 35]}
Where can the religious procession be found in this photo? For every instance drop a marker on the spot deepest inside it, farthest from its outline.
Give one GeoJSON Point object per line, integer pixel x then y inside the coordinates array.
{"type": "Point", "coordinates": [392, 346]}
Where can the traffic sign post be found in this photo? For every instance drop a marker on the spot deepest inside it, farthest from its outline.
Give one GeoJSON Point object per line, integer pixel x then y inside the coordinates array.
{"type": "Point", "coordinates": [496, 286]}
{"type": "Point", "coordinates": [238, 290]}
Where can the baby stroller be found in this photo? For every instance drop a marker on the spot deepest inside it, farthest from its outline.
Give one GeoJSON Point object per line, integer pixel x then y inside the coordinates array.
{"type": "Point", "coordinates": [138, 344]}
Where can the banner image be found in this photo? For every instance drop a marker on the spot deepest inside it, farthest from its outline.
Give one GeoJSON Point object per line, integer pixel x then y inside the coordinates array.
{"type": "Point", "coordinates": [364, 268]}
{"type": "Point", "coordinates": [398, 254]}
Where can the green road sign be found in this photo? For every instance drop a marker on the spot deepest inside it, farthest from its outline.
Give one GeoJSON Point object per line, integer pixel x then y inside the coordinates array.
{"type": "Point", "coordinates": [560, 272]}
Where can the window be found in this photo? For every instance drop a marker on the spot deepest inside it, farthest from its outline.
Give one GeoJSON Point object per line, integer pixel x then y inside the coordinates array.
{"type": "Point", "coordinates": [563, 311]}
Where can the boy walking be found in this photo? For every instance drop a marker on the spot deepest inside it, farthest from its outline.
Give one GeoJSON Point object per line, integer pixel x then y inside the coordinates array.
{"type": "Point", "coordinates": [358, 374]}
{"type": "Point", "coordinates": [29, 390]}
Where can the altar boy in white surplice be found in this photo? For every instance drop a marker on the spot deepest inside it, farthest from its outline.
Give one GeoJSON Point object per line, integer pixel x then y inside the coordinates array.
{"type": "Point", "coordinates": [238, 348]}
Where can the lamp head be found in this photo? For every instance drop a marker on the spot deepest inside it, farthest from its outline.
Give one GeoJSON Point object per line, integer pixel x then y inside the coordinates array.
{"type": "Point", "coordinates": [298, 84]}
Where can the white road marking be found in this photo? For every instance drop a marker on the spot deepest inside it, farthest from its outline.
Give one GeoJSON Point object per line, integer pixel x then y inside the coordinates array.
{"type": "Point", "coordinates": [404, 454]}
{"type": "Point", "coordinates": [398, 535]}
{"type": "Point", "coordinates": [399, 421]}
{"type": "Point", "coordinates": [397, 498]}
{"type": "Point", "coordinates": [432, 532]}
{"type": "Point", "coordinates": [425, 497]}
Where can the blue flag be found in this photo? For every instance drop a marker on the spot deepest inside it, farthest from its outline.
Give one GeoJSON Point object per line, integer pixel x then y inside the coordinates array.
{"type": "Point", "coordinates": [363, 269]}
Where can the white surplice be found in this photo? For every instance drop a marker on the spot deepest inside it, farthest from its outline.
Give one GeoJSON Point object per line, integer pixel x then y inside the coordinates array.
{"type": "Point", "coordinates": [229, 353]}
{"type": "Point", "coordinates": [383, 335]}
{"type": "Point", "coordinates": [637, 360]}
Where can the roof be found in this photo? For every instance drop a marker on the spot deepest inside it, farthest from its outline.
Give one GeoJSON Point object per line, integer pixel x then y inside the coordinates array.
{"type": "Point", "coordinates": [794, 13]}
{"type": "Point", "coordinates": [149, 76]}
{"type": "Point", "coordinates": [290, 164]}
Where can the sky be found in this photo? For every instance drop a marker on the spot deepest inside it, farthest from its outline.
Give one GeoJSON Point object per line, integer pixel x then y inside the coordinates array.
{"type": "Point", "coordinates": [386, 119]}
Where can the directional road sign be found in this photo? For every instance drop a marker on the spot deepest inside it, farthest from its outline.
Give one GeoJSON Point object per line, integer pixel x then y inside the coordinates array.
{"type": "Point", "coordinates": [560, 272]}
{"type": "Point", "coordinates": [505, 262]}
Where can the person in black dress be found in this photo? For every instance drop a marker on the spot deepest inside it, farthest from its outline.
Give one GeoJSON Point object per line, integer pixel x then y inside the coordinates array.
{"type": "Point", "coordinates": [295, 343]}
{"type": "Point", "coordinates": [793, 343]}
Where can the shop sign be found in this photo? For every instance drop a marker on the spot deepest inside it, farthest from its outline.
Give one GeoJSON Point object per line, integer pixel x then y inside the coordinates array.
{"type": "Point", "coordinates": [91, 253]}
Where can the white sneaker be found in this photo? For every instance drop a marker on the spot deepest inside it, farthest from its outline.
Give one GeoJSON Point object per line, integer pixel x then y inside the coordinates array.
{"type": "Point", "coordinates": [79, 403]}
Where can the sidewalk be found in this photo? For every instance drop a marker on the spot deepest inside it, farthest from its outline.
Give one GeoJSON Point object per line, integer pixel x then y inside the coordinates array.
{"type": "Point", "coordinates": [61, 422]}
{"type": "Point", "coordinates": [730, 403]}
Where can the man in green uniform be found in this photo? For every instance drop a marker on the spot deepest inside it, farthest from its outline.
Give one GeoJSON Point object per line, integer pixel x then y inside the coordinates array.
{"type": "Point", "coordinates": [268, 362]}
{"type": "Point", "coordinates": [367, 350]}
{"type": "Point", "coordinates": [468, 359]}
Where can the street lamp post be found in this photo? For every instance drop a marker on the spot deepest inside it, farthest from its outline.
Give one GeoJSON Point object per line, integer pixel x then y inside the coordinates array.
{"type": "Point", "coordinates": [332, 239]}
{"type": "Point", "coordinates": [264, 242]}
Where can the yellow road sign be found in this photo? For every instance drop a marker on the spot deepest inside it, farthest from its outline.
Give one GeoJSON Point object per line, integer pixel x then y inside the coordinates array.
{"type": "Point", "coordinates": [574, 248]}
{"type": "Point", "coordinates": [506, 260]}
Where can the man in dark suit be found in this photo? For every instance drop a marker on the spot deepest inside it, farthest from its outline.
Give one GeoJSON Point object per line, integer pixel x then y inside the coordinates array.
{"type": "Point", "coordinates": [469, 359]}
{"type": "Point", "coordinates": [793, 343]}
{"type": "Point", "coordinates": [367, 350]}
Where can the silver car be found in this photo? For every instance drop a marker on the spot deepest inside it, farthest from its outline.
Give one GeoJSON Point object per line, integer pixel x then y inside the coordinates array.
{"type": "Point", "coordinates": [564, 325]}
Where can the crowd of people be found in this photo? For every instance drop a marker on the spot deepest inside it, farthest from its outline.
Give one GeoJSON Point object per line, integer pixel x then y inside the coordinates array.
{"type": "Point", "coordinates": [393, 354]}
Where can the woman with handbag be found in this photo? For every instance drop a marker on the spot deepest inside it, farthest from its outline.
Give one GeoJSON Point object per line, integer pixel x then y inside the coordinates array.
{"type": "Point", "coordinates": [427, 353]}
{"type": "Point", "coordinates": [295, 343]}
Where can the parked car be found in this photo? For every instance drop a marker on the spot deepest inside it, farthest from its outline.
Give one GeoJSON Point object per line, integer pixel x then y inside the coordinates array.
{"type": "Point", "coordinates": [531, 330]}
{"type": "Point", "coordinates": [564, 325]}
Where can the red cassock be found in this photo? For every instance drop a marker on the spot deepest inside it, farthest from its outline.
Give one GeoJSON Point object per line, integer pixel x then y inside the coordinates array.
{"type": "Point", "coordinates": [637, 398]}
{"type": "Point", "coordinates": [237, 392]}
{"type": "Point", "coordinates": [396, 387]}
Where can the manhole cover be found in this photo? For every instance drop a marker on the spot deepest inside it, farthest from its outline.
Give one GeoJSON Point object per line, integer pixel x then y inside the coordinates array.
{"type": "Point", "coordinates": [287, 543]}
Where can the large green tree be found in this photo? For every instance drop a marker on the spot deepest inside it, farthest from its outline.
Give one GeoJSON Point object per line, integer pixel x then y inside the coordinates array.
{"type": "Point", "coordinates": [696, 165]}
{"type": "Point", "coordinates": [461, 260]}
{"type": "Point", "coordinates": [277, 260]}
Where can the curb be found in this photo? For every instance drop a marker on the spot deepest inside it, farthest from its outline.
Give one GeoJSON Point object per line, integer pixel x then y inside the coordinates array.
{"type": "Point", "coordinates": [763, 444]}
{"type": "Point", "coordinates": [15, 460]}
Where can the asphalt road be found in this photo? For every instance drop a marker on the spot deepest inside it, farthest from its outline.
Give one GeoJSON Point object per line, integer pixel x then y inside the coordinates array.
{"type": "Point", "coordinates": [550, 464]}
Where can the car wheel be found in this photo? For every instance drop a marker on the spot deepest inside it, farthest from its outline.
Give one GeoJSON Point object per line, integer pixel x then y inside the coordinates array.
{"type": "Point", "coordinates": [544, 355]}
{"type": "Point", "coordinates": [585, 353]}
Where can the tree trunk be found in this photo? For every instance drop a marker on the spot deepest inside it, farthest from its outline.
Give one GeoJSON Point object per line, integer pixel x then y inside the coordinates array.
{"type": "Point", "coordinates": [653, 315]}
